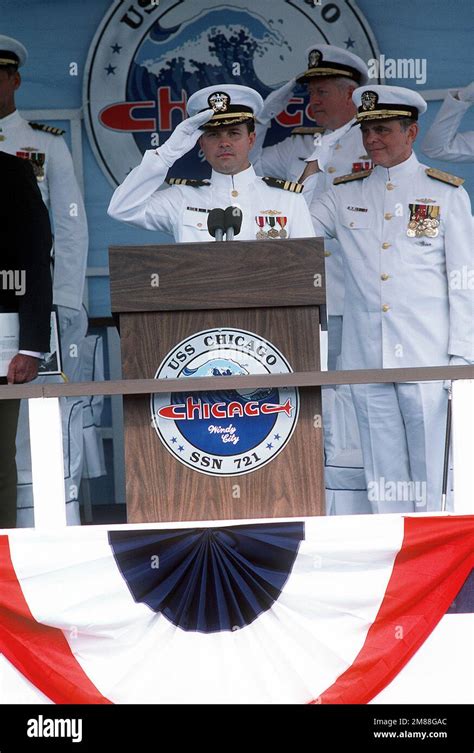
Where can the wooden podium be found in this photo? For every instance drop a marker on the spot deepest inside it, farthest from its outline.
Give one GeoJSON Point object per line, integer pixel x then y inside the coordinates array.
{"type": "Point", "coordinates": [164, 296]}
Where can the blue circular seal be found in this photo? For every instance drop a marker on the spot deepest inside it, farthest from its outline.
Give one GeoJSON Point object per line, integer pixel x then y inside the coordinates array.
{"type": "Point", "coordinates": [227, 432]}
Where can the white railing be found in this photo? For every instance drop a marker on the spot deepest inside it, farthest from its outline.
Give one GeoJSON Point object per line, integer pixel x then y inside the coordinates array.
{"type": "Point", "coordinates": [47, 454]}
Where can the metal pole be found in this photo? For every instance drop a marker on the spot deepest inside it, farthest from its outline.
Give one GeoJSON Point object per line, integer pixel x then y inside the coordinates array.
{"type": "Point", "coordinates": [446, 450]}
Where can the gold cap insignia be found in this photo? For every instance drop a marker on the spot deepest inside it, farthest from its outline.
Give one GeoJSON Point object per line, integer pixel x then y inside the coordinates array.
{"type": "Point", "coordinates": [369, 99]}
{"type": "Point", "coordinates": [314, 58]}
{"type": "Point", "coordinates": [219, 101]}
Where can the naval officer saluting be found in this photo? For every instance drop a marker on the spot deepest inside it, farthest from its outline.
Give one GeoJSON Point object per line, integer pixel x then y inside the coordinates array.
{"type": "Point", "coordinates": [315, 156]}
{"type": "Point", "coordinates": [331, 76]}
{"type": "Point", "coordinates": [222, 118]}
{"type": "Point", "coordinates": [442, 140]}
{"type": "Point", "coordinates": [405, 232]}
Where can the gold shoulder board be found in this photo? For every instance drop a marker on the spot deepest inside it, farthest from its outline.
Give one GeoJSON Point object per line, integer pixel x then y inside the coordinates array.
{"type": "Point", "coordinates": [306, 131]}
{"type": "Point", "coordinates": [286, 185]}
{"type": "Point", "coordinates": [46, 128]}
{"type": "Point", "coordinates": [352, 176]}
{"type": "Point", "coordinates": [453, 180]}
{"type": "Point", "coordinates": [193, 182]}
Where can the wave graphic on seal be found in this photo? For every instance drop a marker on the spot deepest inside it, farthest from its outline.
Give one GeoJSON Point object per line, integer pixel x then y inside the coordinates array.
{"type": "Point", "coordinates": [199, 53]}
{"type": "Point", "coordinates": [250, 431]}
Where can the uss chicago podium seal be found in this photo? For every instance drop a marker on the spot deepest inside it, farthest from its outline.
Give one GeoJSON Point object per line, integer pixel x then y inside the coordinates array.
{"type": "Point", "coordinates": [226, 432]}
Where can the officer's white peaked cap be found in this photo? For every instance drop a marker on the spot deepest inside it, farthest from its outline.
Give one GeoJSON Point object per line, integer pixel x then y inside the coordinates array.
{"type": "Point", "coordinates": [379, 102]}
{"type": "Point", "coordinates": [231, 103]}
{"type": "Point", "coordinates": [12, 52]}
{"type": "Point", "coordinates": [328, 60]}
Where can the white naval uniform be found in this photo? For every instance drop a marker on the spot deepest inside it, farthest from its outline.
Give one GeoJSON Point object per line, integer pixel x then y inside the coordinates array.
{"type": "Point", "coordinates": [287, 160]}
{"type": "Point", "coordinates": [399, 312]}
{"type": "Point", "coordinates": [181, 210]}
{"type": "Point", "coordinates": [341, 436]}
{"type": "Point", "coordinates": [442, 140]}
{"type": "Point", "coordinates": [60, 191]}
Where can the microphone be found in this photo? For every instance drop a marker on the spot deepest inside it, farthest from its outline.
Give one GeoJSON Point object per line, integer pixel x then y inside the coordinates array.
{"type": "Point", "coordinates": [216, 224]}
{"type": "Point", "coordinates": [233, 222]}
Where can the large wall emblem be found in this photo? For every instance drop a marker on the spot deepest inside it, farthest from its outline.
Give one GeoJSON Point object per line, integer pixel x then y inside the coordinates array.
{"type": "Point", "coordinates": [146, 59]}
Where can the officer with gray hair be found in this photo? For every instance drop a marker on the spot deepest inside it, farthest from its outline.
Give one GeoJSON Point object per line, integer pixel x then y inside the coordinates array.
{"type": "Point", "coordinates": [316, 155]}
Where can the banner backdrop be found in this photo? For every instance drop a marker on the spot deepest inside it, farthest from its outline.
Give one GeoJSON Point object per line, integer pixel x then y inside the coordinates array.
{"type": "Point", "coordinates": [317, 610]}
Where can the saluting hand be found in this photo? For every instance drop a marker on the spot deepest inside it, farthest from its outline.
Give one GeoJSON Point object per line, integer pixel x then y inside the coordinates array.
{"type": "Point", "coordinates": [324, 146]}
{"type": "Point", "coordinates": [276, 102]}
{"type": "Point", "coordinates": [467, 94]}
{"type": "Point", "coordinates": [184, 137]}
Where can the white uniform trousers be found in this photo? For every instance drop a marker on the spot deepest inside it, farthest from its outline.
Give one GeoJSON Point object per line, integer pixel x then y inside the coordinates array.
{"type": "Point", "coordinates": [402, 430]}
{"type": "Point", "coordinates": [334, 341]}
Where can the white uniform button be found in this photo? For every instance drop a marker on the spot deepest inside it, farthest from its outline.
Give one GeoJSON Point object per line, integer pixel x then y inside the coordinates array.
{"type": "Point", "coordinates": [331, 169]}
{"type": "Point", "coordinates": [384, 276]}
{"type": "Point", "coordinates": [385, 308]}
{"type": "Point", "coordinates": [386, 245]}
{"type": "Point", "coordinates": [327, 253]}
{"type": "Point", "coordinates": [390, 186]}
{"type": "Point", "coordinates": [388, 215]}
{"type": "Point", "coordinates": [351, 224]}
